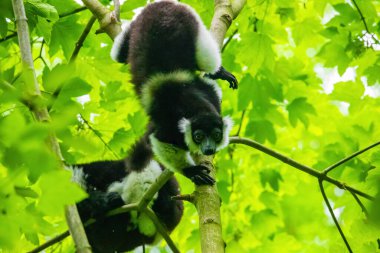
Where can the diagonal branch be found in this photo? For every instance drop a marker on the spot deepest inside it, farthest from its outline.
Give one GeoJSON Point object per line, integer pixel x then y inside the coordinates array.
{"type": "Point", "coordinates": [297, 165]}
{"type": "Point", "coordinates": [330, 168]}
{"type": "Point", "coordinates": [333, 215]}
{"type": "Point", "coordinates": [98, 135]}
{"type": "Point", "coordinates": [82, 38]}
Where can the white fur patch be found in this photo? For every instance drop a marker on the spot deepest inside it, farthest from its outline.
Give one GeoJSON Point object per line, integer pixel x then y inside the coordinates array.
{"type": "Point", "coordinates": [149, 88]}
{"type": "Point", "coordinates": [184, 126]}
{"type": "Point", "coordinates": [227, 126]}
{"type": "Point", "coordinates": [134, 185]}
{"type": "Point", "coordinates": [79, 176]}
{"type": "Point", "coordinates": [119, 41]}
{"type": "Point", "coordinates": [216, 87]}
{"type": "Point", "coordinates": [172, 157]}
{"type": "Point", "coordinates": [207, 52]}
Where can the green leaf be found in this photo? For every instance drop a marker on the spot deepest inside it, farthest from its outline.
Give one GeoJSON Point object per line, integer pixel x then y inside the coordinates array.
{"type": "Point", "coordinates": [223, 191]}
{"type": "Point", "coordinates": [286, 14]}
{"type": "Point", "coordinates": [3, 27]}
{"type": "Point", "coordinates": [372, 74]}
{"type": "Point", "coordinates": [261, 130]}
{"type": "Point", "coordinates": [65, 32]}
{"type": "Point", "coordinates": [335, 55]}
{"type": "Point", "coordinates": [138, 122]}
{"type": "Point", "coordinates": [298, 110]}
{"type": "Point", "coordinates": [348, 91]}
{"type": "Point", "coordinates": [272, 177]}
{"type": "Point", "coordinates": [75, 87]}
{"type": "Point", "coordinates": [26, 192]}
{"type": "Point", "coordinates": [57, 191]}
{"type": "Point", "coordinates": [246, 89]}
{"type": "Point", "coordinates": [121, 139]}
{"type": "Point", "coordinates": [260, 51]}
{"type": "Point", "coordinates": [42, 9]}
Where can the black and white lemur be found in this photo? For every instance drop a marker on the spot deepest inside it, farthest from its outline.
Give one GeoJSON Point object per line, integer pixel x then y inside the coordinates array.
{"type": "Point", "coordinates": [112, 184]}
{"type": "Point", "coordinates": [168, 36]}
{"type": "Point", "coordinates": [164, 46]}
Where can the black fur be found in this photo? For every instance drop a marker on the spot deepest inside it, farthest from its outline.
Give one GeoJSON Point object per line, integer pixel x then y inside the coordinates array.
{"type": "Point", "coordinates": [162, 39]}
{"type": "Point", "coordinates": [173, 100]}
{"type": "Point", "coordinates": [117, 233]}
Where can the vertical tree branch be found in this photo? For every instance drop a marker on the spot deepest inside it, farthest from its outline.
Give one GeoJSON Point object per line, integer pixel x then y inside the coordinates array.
{"type": "Point", "coordinates": [32, 93]}
{"type": "Point", "coordinates": [206, 198]}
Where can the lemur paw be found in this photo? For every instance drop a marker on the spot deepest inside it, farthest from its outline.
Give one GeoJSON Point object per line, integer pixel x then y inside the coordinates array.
{"type": "Point", "coordinates": [223, 74]}
{"type": "Point", "coordinates": [199, 174]}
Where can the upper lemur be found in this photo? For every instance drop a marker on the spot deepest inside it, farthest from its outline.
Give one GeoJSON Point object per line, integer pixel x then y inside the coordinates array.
{"type": "Point", "coordinates": [164, 46]}
{"type": "Point", "coordinates": [168, 36]}
{"type": "Point", "coordinates": [112, 184]}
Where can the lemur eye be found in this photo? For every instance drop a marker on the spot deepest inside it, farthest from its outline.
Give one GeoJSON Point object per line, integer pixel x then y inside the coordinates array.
{"type": "Point", "coordinates": [198, 136]}
{"type": "Point", "coordinates": [217, 135]}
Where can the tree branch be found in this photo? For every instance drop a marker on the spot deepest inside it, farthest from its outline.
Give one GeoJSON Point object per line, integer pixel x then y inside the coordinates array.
{"type": "Point", "coordinates": [116, 11]}
{"type": "Point", "coordinates": [297, 165]}
{"type": "Point", "coordinates": [330, 168]}
{"type": "Point", "coordinates": [42, 115]}
{"type": "Point", "coordinates": [333, 215]}
{"type": "Point", "coordinates": [10, 36]}
{"type": "Point", "coordinates": [82, 38]}
{"type": "Point", "coordinates": [51, 242]}
{"type": "Point", "coordinates": [107, 21]}
{"type": "Point", "coordinates": [65, 14]}
{"type": "Point", "coordinates": [161, 229]}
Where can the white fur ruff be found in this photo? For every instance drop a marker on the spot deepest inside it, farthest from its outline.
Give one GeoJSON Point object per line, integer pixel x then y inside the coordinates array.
{"type": "Point", "coordinates": [134, 185]}
{"type": "Point", "coordinates": [119, 41]}
{"type": "Point", "coordinates": [78, 176]}
{"type": "Point", "coordinates": [227, 126]}
{"type": "Point", "coordinates": [184, 126]}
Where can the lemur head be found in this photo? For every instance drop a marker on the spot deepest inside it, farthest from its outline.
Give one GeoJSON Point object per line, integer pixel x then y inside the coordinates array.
{"type": "Point", "coordinates": [206, 133]}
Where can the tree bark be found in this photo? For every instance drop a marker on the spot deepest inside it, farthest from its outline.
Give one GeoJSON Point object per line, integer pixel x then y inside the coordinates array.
{"type": "Point", "coordinates": [32, 93]}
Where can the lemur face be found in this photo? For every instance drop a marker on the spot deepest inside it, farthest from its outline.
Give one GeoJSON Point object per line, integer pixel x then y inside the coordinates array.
{"type": "Point", "coordinates": [206, 134]}
{"type": "Point", "coordinates": [208, 140]}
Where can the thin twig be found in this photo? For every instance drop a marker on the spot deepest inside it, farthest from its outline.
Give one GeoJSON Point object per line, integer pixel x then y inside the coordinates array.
{"type": "Point", "coordinates": [333, 215]}
{"type": "Point", "coordinates": [361, 16]}
{"type": "Point", "coordinates": [116, 10]}
{"type": "Point", "coordinates": [360, 203]}
{"type": "Point", "coordinates": [65, 14]}
{"type": "Point", "coordinates": [98, 135]}
{"type": "Point", "coordinates": [51, 242]}
{"type": "Point", "coordinates": [184, 197]}
{"type": "Point", "coordinates": [241, 123]}
{"type": "Point", "coordinates": [82, 38]}
{"type": "Point", "coordinates": [10, 36]}
{"type": "Point", "coordinates": [330, 168]}
{"type": "Point", "coordinates": [229, 40]}
{"type": "Point", "coordinates": [161, 229]}
{"type": "Point", "coordinates": [297, 165]}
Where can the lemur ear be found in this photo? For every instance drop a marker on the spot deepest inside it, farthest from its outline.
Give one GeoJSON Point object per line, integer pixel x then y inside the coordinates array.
{"type": "Point", "coordinates": [184, 126]}
{"type": "Point", "coordinates": [227, 126]}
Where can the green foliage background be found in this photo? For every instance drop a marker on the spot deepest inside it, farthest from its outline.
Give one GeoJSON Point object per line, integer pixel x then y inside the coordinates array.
{"type": "Point", "coordinates": [288, 56]}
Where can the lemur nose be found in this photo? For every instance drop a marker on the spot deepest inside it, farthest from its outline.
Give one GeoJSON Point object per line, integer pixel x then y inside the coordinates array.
{"type": "Point", "coordinates": [209, 151]}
